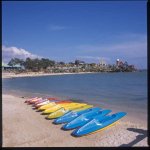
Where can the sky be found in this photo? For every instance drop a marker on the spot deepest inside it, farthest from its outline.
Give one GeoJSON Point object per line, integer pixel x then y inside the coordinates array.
{"type": "Point", "coordinates": [84, 30]}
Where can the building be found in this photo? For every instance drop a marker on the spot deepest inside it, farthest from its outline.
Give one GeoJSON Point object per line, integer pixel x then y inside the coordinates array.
{"type": "Point", "coordinates": [15, 67]}
{"type": "Point", "coordinates": [117, 62]}
{"type": "Point", "coordinates": [79, 62]}
{"type": "Point", "coordinates": [102, 62]}
{"type": "Point", "coordinates": [5, 66]}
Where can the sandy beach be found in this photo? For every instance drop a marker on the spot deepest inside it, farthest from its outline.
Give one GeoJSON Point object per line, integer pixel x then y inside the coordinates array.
{"type": "Point", "coordinates": [24, 127]}
{"type": "Point", "coordinates": [34, 74]}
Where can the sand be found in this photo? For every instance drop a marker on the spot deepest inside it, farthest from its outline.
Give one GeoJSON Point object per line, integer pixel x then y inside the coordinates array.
{"type": "Point", "coordinates": [36, 74]}
{"type": "Point", "coordinates": [24, 127]}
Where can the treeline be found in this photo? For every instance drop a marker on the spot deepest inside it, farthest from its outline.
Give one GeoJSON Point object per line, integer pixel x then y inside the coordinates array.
{"type": "Point", "coordinates": [32, 64]}
{"type": "Point", "coordinates": [50, 66]}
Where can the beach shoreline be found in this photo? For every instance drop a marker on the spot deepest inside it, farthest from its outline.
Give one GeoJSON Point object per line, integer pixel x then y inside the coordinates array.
{"type": "Point", "coordinates": [37, 74]}
{"type": "Point", "coordinates": [24, 127]}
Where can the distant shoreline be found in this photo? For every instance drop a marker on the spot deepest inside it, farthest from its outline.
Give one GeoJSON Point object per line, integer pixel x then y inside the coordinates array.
{"type": "Point", "coordinates": [36, 74]}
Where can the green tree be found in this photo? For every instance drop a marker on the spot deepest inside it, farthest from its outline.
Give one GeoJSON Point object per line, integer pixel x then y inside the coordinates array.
{"type": "Point", "coordinates": [29, 63]}
{"type": "Point", "coordinates": [77, 62]}
{"type": "Point", "coordinates": [15, 61]}
{"type": "Point", "coordinates": [44, 63]}
{"type": "Point", "coordinates": [36, 64]}
{"type": "Point", "coordinates": [51, 62]}
{"type": "Point", "coordinates": [61, 63]}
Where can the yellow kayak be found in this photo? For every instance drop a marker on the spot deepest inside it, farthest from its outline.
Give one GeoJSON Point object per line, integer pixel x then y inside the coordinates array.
{"type": "Point", "coordinates": [75, 106]}
{"type": "Point", "coordinates": [47, 106]}
{"type": "Point", "coordinates": [55, 108]}
{"type": "Point", "coordinates": [63, 111]}
{"type": "Point", "coordinates": [83, 108]}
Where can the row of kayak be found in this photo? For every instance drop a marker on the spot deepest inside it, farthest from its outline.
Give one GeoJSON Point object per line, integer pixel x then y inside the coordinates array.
{"type": "Point", "coordinates": [83, 118]}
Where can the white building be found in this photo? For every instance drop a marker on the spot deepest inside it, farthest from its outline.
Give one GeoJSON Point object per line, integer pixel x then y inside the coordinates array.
{"type": "Point", "coordinates": [102, 62]}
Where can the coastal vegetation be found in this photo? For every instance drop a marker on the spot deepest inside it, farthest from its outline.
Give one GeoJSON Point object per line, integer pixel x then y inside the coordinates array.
{"type": "Point", "coordinates": [51, 66]}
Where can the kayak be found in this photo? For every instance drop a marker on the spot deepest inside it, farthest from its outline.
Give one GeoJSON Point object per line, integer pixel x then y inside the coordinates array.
{"type": "Point", "coordinates": [99, 123]}
{"type": "Point", "coordinates": [34, 100]}
{"type": "Point", "coordinates": [63, 111]}
{"type": "Point", "coordinates": [39, 99]}
{"type": "Point", "coordinates": [50, 104]}
{"type": "Point", "coordinates": [30, 99]}
{"type": "Point", "coordinates": [41, 103]}
{"type": "Point", "coordinates": [85, 118]}
{"type": "Point", "coordinates": [69, 106]}
{"type": "Point", "coordinates": [73, 114]}
{"type": "Point", "coordinates": [52, 98]}
{"type": "Point", "coordinates": [43, 100]}
{"type": "Point", "coordinates": [47, 102]}
{"type": "Point", "coordinates": [58, 106]}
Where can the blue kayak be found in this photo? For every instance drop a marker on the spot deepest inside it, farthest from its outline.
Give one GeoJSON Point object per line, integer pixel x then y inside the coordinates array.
{"type": "Point", "coordinates": [84, 118]}
{"type": "Point", "coordinates": [98, 123]}
{"type": "Point", "coordinates": [73, 114]}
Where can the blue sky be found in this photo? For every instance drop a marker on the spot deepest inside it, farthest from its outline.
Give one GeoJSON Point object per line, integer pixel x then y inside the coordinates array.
{"type": "Point", "coordinates": [65, 31]}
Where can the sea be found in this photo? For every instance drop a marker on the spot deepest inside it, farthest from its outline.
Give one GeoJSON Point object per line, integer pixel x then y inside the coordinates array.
{"type": "Point", "coordinates": [121, 91]}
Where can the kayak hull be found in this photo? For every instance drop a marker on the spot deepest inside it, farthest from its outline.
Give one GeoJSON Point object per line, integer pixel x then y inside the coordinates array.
{"type": "Point", "coordinates": [98, 124]}
{"type": "Point", "coordinates": [62, 111]}
{"type": "Point", "coordinates": [68, 117]}
{"type": "Point", "coordinates": [30, 99]}
{"type": "Point", "coordinates": [50, 104]}
{"type": "Point", "coordinates": [34, 100]}
{"type": "Point", "coordinates": [57, 107]}
{"type": "Point", "coordinates": [83, 119]}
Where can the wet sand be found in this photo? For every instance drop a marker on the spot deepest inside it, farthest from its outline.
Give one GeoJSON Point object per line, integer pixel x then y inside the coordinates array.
{"type": "Point", "coordinates": [24, 127]}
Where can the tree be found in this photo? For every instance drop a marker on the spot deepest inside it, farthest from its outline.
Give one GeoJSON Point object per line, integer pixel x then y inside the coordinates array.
{"type": "Point", "coordinates": [51, 62]}
{"type": "Point", "coordinates": [44, 63]}
{"type": "Point", "coordinates": [15, 61]}
{"type": "Point", "coordinates": [28, 63]}
{"type": "Point", "coordinates": [36, 63]}
{"type": "Point", "coordinates": [11, 62]}
{"type": "Point", "coordinates": [77, 62]}
{"type": "Point", "coordinates": [93, 64]}
{"type": "Point", "coordinates": [61, 63]}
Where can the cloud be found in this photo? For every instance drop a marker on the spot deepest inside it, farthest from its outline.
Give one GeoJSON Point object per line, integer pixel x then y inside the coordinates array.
{"type": "Point", "coordinates": [12, 52]}
{"type": "Point", "coordinates": [57, 28]}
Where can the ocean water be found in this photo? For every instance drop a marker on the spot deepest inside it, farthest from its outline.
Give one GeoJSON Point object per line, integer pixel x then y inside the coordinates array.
{"type": "Point", "coordinates": [118, 91]}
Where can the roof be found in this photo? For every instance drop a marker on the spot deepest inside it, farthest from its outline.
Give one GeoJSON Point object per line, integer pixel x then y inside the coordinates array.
{"type": "Point", "coordinates": [5, 65]}
{"type": "Point", "coordinates": [17, 65]}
